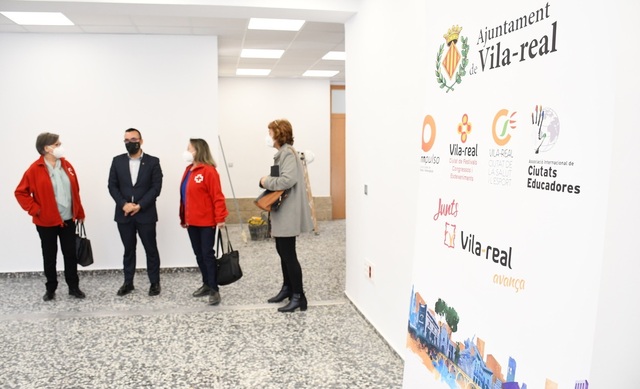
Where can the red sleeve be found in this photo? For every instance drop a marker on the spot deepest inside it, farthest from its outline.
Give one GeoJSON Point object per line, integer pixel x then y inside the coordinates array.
{"type": "Point", "coordinates": [24, 192]}
{"type": "Point", "coordinates": [219, 202]}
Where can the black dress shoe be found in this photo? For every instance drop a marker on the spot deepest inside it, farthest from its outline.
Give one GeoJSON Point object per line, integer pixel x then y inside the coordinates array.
{"type": "Point", "coordinates": [202, 291]}
{"type": "Point", "coordinates": [154, 290]}
{"type": "Point", "coordinates": [214, 297]}
{"type": "Point", "coordinates": [282, 294]}
{"type": "Point", "coordinates": [298, 300]}
{"type": "Point", "coordinates": [125, 289]}
{"type": "Point", "coordinates": [48, 296]}
{"type": "Point", "coordinates": [77, 293]}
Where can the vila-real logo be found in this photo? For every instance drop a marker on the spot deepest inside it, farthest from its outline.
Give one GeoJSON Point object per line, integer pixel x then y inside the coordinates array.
{"type": "Point", "coordinates": [450, 235]}
{"type": "Point", "coordinates": [463, 158]}
{"type": "Point", "coordinates": [468, 241]}
{"type": "Point", "coordinates": [464, 128]}
{"type": "Point", "coordinates": [454, 62]}
{"type": "Point", "coordinates": [501, 125]}
{"type": "Point", "coordinates": [500, 160]}
{"type": "Point", "coordinates": [448, 210]}
{"type": "Point", "coordinates": [490, 252]}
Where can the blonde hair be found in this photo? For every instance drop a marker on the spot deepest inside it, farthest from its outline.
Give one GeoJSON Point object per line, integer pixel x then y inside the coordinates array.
{"type": "Point", "coordinates": [203, 153]}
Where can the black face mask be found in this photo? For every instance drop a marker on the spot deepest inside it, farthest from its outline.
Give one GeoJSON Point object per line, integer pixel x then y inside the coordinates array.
{"type": "Point", "coordinates": [132, 147]}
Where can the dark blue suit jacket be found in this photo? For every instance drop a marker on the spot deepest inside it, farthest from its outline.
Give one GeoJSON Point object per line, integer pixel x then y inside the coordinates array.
{"type": "Point", "coordinates": [144, 192]}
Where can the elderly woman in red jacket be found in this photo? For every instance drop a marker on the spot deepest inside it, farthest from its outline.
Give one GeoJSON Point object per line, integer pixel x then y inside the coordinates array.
{"type": "Point", "coordinates": [49, 192]}
{"type": "Point", "coordinates": [202, 210]}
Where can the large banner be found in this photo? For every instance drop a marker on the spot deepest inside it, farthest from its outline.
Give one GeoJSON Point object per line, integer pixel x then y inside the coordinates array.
{"type": "Point", "coordinates": [513, 159]}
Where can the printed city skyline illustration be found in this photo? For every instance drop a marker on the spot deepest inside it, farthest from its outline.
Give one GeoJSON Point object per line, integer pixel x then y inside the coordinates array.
{"type": "Point", "coordinates": [430, 334]}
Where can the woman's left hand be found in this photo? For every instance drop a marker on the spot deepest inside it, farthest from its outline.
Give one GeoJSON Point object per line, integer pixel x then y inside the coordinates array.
{"type": "Point", "coordinates": [220, 225]}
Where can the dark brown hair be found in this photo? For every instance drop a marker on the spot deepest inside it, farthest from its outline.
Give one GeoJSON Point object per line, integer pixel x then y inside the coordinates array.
{"type": "Point", "coordinates": [45, 139]}
{"type": "Point", "coordinates": [282, 131]}
{"type": "Point", "coordinates": [133, 129]}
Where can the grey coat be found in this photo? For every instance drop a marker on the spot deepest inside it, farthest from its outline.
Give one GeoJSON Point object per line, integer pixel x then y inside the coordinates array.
{"type": "Point", "coordinates": [294, 215]}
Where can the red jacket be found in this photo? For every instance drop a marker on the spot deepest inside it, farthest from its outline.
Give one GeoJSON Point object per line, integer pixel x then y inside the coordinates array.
{"type": "Point", "coordinates": [205, 203]}
{"type": "Point", "coordinates": [35, 194]}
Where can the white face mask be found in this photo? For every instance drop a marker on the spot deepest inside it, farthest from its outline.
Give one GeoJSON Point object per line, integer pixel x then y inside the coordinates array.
{"type": "Point", "coordinates": [269, 141]}
{"type": "Point", "coordinates": [187, 156]}
{"type": "Point", "coordinates": [57, 152]}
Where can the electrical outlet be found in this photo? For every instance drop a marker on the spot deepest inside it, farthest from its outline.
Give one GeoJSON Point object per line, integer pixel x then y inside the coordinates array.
{"type": "Point", "coordinates": [366, 189]}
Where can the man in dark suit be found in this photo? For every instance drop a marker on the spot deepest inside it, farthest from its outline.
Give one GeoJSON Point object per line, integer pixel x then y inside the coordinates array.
{"type": "Point", "coordinates": [135, 181]}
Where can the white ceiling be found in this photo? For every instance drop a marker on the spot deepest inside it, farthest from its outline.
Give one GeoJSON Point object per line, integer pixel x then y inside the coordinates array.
{"type": "Point", "coordinates": [323, 31]}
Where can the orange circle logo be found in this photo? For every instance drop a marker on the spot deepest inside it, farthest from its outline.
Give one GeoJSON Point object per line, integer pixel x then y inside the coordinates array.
{"type": "Point", "coordinates": [430, 122]}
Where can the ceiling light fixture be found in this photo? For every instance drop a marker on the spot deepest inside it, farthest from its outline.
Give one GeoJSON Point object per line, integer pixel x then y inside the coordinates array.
{"type": "Point", "coordinates": [261, 53]}
{"type": "Point", "coordinates": [253, 72]}
{"type": "Point", "coordinates": [320, 73]}
{"type": "Point", "coordinates": [38, 18]}
{"type": "Point", "coordinates": [335, 56]}
{"type": "Point", "coordinates": [275, 24]}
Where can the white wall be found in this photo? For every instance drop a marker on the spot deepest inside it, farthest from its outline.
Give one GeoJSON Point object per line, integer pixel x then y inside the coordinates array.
{"type": "Point", "coordinates": [384, 118]}
{"type": "Point", "coordinates": [89, 89]}
{"type": "Point", "coordinates": [385, 110]}
{"type": "Point", "coordinates": [616, 338]}
{"type": "Point", "coordinates": [247, 105]}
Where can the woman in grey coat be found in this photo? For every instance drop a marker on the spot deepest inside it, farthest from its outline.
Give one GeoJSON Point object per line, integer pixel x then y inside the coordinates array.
{"type": "Point", "coordinates": [292, 218]}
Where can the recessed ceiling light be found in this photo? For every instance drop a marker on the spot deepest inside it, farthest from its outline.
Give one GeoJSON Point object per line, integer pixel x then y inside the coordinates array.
{"type": "Point", "coordinates": [335, 56]}
{"type": "Point", "coordinates": [38, 18]}
{"type": "Point", "coordinates": [320, 73]}
{"type": "Point", "coordinates": [261, 53]}
{"type": "Point", "coordinates": [252, 72]}
{"type": "Point", "coordinates": [275, 24]}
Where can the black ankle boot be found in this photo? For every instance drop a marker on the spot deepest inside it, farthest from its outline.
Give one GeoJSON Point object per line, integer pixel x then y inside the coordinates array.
{"type": "Point", "coordinates": [298, 300]}
{"type": "Point", "coordinates": [282, 294]}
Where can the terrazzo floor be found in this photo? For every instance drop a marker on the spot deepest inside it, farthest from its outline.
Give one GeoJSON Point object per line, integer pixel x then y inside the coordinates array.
{"type": "Point", "coordinates": [177, 341]}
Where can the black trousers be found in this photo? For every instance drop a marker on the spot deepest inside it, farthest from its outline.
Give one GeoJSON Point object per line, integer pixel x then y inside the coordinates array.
{"type": "Point", "coordinates": [147, 233]}
{"type": "Point", "coordinates": [202, 242]}
{"type": "Point", "coordinates": [291, 270]}
{"type": "Point", "coordinates": [49, 241]}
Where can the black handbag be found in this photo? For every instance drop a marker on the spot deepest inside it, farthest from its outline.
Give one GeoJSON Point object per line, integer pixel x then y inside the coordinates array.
{"type": "Point", "coordinates": [229, 270]}
{"type": "Point", "coordinates": [84, 253]}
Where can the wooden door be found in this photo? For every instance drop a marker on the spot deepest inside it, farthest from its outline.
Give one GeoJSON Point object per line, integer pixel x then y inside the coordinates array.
{"type": "Point", "coordinates": [337, 144]}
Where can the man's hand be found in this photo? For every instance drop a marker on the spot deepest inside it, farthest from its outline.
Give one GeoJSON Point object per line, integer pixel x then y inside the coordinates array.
{"type": "Point", "coordinates": [130, 209]}
{"type": "Point", "coordinates": [136, 209]}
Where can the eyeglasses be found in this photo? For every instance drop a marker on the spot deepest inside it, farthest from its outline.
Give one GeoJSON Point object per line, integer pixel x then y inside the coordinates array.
{"type": "Point", "coordinates": [131, 140]}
